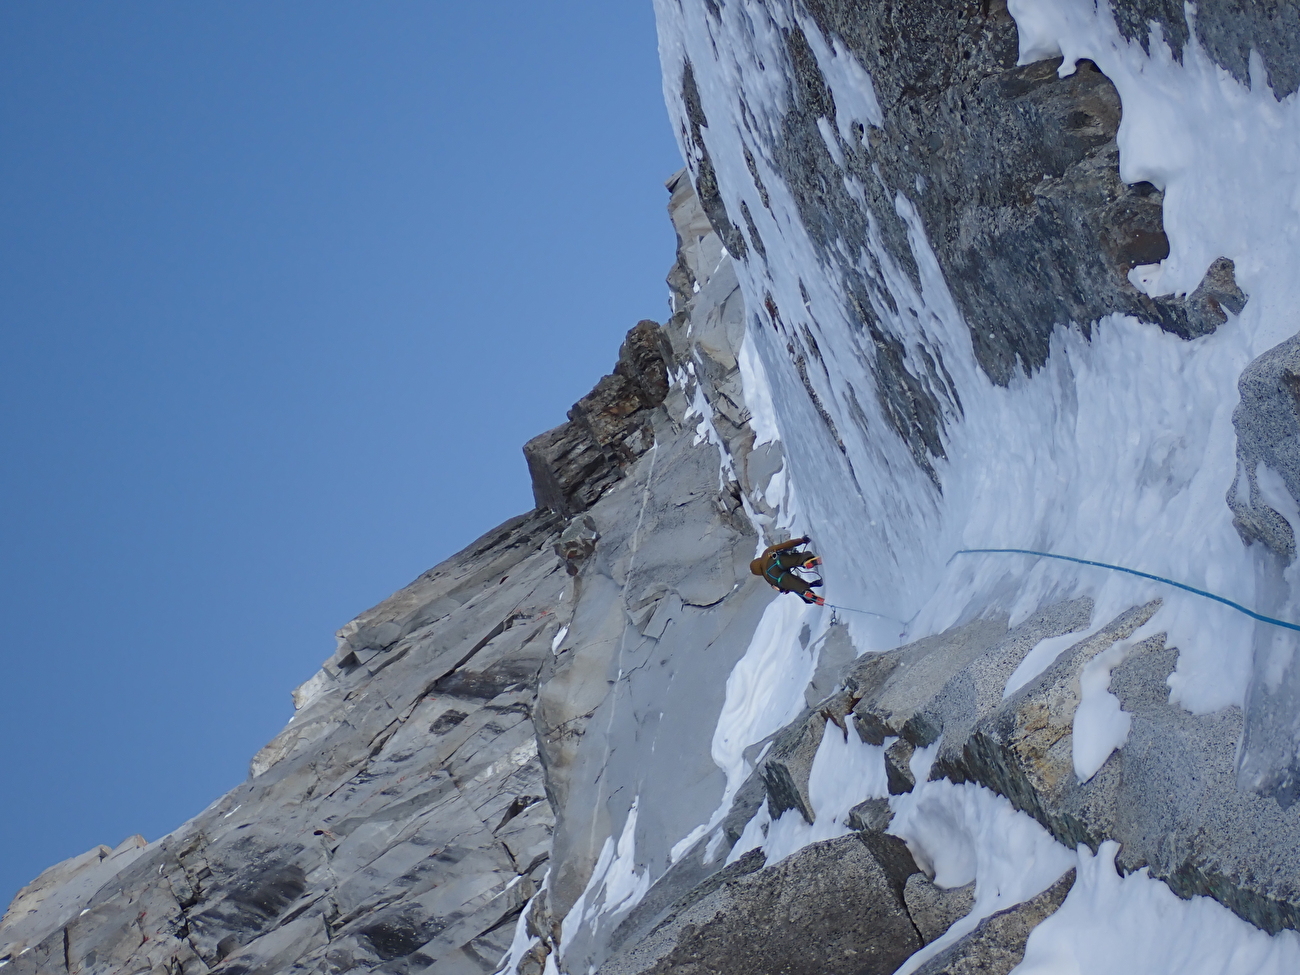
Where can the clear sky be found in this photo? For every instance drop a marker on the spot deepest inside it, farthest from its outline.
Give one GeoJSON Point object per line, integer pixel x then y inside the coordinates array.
{"type": "Point", "coordinates": [284, 288]}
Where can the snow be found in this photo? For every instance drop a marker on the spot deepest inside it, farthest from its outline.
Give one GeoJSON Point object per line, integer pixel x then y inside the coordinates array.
{"type": "Point", "coordinates": [624, 886]}
{"type": "Point", "coordinates": [765, 688]}
{"type": "Point", "coordinates": [683, 846]}
{"type": "Point", "coordinates": [1135, 925]}
{"type": "Point", "coordinates": [753, 836]}
{"type": "Point", "coordinates": [855, 95]}
{"type": "Point", "coordinates": [1120, 449]}
{"type": "Point", "coordinates": [615, 885]}
{"type": "Point", "coordinates": [1042, 656]}
{"type": "Point", "coordinates": [521, 941]}
{"type": "Point", "coordinates": [963, 833]}
{"type": "Point", "coordinates": [1100, 726]}
{"type": "Point", "coordinates": [758, 395]}
{"type": "Point", "coordinates": [765, 691]}
{"type": "Point", "coordinates": [845, 771]}
{"type": "Point", "coordinates": [560, 634]}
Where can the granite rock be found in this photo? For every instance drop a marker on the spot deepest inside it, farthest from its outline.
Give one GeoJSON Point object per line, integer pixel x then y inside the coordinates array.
{"type": "Point", "coordinates": [997, 945]}
{"type": "Point", "coordinates": [934, 909]}
{"type": "Point", "coordinates": [833, 907]}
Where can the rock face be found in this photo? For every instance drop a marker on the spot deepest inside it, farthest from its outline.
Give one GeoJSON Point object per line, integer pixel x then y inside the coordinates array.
{"type": "Point", "coordinates": [997, 945]}
{"type": "Point", "coordinates": [1013, 173]}
{"type": "Point", "coordinates": [833, 907]}
{"type": "Point", "coordinates": [1013, 170]}
{"type": "Point", "coordinates": [401, 814]}
{"type": "Point", "coordinates": [934, 909]}
{"type": "Point", "coordinates": [463, 731]}
{"type": "Point", "coordinates": [1229, 30]}
{"type": "Point", "coordinates": [593, 741]}
{"type": "Point", "coordinates": [1262, 499]}
{"type": "Point", "coordinates": [608, 428]}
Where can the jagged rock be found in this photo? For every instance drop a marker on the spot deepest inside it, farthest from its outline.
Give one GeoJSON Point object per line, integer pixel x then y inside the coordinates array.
{"type": "Point", "coordinates": [895, 687]}
{"type": "Point", "coordinates": [643, 359]}
{"type": "Point", "coordinates": [1215, 297]}
{"type": "Point", "coordinates": [1169, 796]}
{"type": "Point", "coordinates": [399, 814]}
{"type": "Point", "coordinates": [568, 469]}
{"type": "Point", "coordinates": [945, 684]}
{"type": "Point", "coordinates": [786, 770]}
{"type": "Point", "coordinates": [898, 771]}
{"type": "Point", "coordinates": [576, 543]}
{"type": "Point", "coordinates": [938, 684]}
{"type": "Point", "coordinates": [934, 909]}
{"type": "Point", "coordinates": [575, 463]}
{"type": "Point", "coordinates": [871, 815]}
{"type": "Point", "coordinates": [1024, 751]}
{"type": "Point", "coordinates": [997, 945]}
{"type": "Point", "coordinates": [1264, 507]}
{"type": "Point", "coordinates": [833, 907]}
{"type": "Point", "coordinates": [1267, 421]}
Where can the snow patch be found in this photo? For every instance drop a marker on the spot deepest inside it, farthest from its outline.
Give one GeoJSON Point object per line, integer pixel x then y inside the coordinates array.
{"type": "Point", "coordinates": [1136, 925]}
{"type": "Point", "coordinates": [522, 940]}
{"type": "Point", "coordinates": [845, 771]}
{"type": "Point", "coordinates": [758, 394]}
{"type": "Point", "coordinates": [960, 833]}
{"type": "Point", "coordinates": [615, 885]}
{"type": "Point", "coordinates": [765, 688]}
{"type": "Point", "coordinates": [559, 638]}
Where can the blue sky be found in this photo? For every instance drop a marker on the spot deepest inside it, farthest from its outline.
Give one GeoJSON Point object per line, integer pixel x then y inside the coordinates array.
{"type": "Point", "coordinates": [285, 288]}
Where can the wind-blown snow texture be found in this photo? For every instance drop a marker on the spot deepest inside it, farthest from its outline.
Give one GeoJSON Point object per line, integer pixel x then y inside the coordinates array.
{"type": "Point", "coordinates": [1098, 454]}
{"type": "Point", "coordinates": [1120, 447]}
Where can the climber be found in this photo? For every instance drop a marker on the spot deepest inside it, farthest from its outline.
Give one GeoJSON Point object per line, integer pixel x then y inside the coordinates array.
{"type": "Point", "coordinates": [777, 565]}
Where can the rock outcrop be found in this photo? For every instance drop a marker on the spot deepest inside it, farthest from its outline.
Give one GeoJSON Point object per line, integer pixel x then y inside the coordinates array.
{"type": "Point", "coordinates": [833, 907]}
{"type": "Point", "coordinates": [1263, 502]}
{"type": "Point", "coordinates": [578, 461]}
{"type": "Point", "coordinates": [997, 945]}
{"type": "Point", "coordinates": [401, 814]}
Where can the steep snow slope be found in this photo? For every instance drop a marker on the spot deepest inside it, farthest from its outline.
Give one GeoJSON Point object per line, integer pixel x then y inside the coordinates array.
{"type": "Point", "coordinates": [826, 141]}
{"type": "Point", "coordinates": [1119, 447]}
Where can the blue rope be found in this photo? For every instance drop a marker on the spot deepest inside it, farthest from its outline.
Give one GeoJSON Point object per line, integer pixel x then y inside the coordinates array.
{"type": "Point", "coordinates": [1133, 572]}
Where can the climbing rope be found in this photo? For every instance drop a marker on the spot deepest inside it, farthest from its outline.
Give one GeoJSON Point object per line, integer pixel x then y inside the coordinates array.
{"type": "Point", "coordinates": [864, 612]}
{"type": "Point", "coordinates": [1133, 572]}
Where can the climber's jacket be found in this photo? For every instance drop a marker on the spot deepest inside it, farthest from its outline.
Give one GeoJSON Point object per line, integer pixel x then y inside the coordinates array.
{"type": "Point", "coordinates": [776, 563]}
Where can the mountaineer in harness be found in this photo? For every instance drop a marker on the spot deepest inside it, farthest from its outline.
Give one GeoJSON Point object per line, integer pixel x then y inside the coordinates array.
{"type": "Point", "coordinates": [777, 564]}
